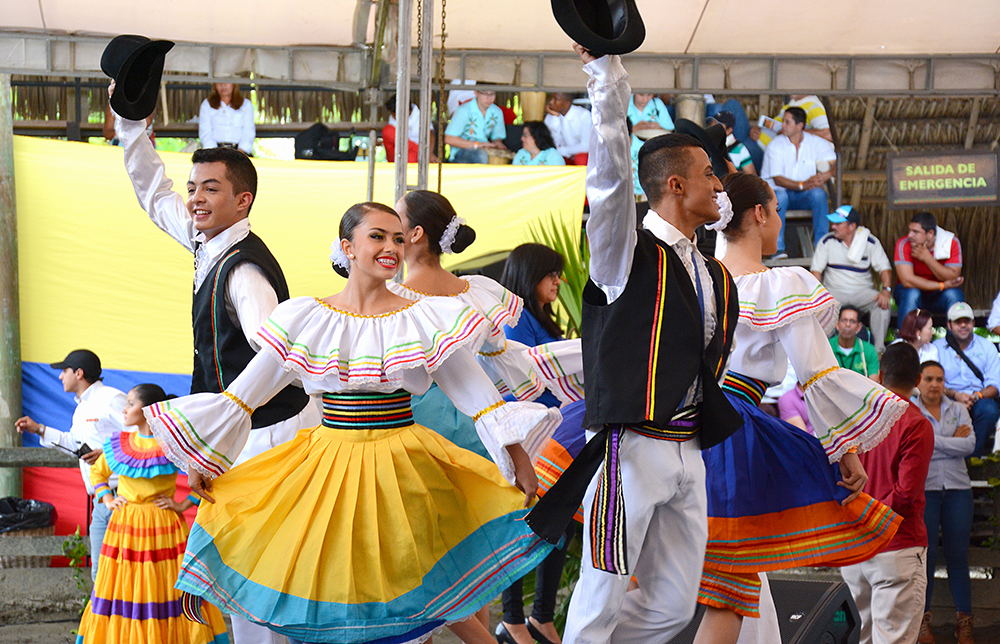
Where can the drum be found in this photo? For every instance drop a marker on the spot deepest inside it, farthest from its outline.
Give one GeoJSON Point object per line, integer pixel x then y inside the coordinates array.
{"type": "Point", "coordinates": [499, 157]}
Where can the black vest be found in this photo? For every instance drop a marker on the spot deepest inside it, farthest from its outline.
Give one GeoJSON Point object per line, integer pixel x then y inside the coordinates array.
{"type": "Point", "coordinates": [221, 350]}
{"type": "Point", "coordinates": [642, 352]}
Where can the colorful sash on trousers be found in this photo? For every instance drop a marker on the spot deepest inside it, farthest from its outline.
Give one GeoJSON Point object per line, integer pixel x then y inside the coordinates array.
{"type": "Point", "coordinates": [554, 511]}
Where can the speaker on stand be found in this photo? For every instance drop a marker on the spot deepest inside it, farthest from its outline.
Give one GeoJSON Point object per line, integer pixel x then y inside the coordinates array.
{"type": "Point", "coordinates": [809, 612]}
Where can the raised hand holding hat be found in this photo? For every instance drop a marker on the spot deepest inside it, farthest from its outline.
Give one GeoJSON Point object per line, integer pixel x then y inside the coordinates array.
{"type": "Point", "coordinates": [601, 26]}
{"type": "Point", "coordinates": [136, 65]}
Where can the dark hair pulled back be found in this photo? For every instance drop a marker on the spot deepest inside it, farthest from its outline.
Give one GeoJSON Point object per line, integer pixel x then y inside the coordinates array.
{"type": "Point", "coordinates": [433, 213]}
{"type": "Point", "coordinates": [352, 219]}
{"type": "Point", "coordinates": [746, 192]}
{"type": "Point", "coordinates": [149, 393]}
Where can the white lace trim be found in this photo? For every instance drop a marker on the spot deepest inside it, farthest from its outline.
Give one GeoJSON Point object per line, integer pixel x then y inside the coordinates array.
{"type": "Point", "coordinates": [448, 236]}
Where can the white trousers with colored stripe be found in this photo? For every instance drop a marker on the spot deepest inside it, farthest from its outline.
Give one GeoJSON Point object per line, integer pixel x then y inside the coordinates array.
{"type": "Point", "coordinates": [663, 483]}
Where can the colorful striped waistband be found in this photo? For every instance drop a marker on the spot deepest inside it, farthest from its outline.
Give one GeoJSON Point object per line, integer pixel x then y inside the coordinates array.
{"type": "Point", "coordinates": [367, 410]}
{"type": "Point", "coordinates": [682, 426]}
{"type": "Point", "coordinates": [747, 388]}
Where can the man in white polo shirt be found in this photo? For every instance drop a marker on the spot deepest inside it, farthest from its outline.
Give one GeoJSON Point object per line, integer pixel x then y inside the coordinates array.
{"type": "Point", "coordinates": [844, 261]}
{"type": "Point", "coordinates": [98, 414]}
{"type": "Point", "coordinates": [797, 165]}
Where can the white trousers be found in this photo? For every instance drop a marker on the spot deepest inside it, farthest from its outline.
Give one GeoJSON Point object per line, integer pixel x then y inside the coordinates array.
{"type": "Point", "coordinates": [763, 629]}
{"type": "Point", "coordinates": [261, 440]}
{"type": "Point", "coordinates": [865, 298]}
{"type": "Point", "coordinates": [663, 485]}
{"type": "Point", "coordinates": [889, 591]}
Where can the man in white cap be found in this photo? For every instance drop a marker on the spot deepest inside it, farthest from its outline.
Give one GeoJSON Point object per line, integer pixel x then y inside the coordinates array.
{"type": "Point", "coordinates": [98, 414]}
{"type": "Point", "coordinates": [971, 372]}
{"type": "Point", "coordinates": [844, 261]}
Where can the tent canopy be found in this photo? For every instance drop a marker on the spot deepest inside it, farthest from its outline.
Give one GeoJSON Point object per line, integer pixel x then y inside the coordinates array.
{"type": "Point", "coordinates": [890, 27]}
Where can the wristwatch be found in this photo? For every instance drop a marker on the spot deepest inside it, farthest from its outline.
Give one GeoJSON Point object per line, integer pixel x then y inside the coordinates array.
{"type": "Point", "coordinates": [886, 288]}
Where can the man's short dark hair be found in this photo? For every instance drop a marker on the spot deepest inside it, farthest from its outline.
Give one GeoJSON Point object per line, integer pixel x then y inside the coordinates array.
{"type": "Point", "coordinates": [661, 157]}
{"type": "Point", "coordinates": [849, 307]}
{"type": "Point", "coordinates": [900, 366]}
{"type": "Point", "coordinates": [239, 168]}
{"type": "Point", "coordinates": [390, 104]}
{"type": "Point", "coordinates": [797, 113]}
{"type": "Point", "coordinates": [926, 221]}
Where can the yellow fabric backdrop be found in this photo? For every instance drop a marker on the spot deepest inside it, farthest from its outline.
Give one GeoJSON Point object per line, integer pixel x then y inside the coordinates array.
{"type": "Point", "coordinates": [96, 273]}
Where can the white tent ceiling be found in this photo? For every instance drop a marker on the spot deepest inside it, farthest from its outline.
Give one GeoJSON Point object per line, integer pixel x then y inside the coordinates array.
{"type": "Point", "coordinates": [846, 27]}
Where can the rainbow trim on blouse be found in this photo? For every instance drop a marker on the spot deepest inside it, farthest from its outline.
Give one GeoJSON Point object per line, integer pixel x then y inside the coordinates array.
{"type": "Point", "coordinates": [126, 457]}
{"type": "Point", "coordinates": [568, 387]}
{"type": "Point", "coordinates": [867, 426]}
{"type": "Point", "coordinates": [370, 368]}
{"type": "Point", "coordinates": [816, 302]}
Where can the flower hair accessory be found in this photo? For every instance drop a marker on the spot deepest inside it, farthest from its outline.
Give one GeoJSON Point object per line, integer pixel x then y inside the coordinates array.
{"type": "Point", "coordinates": [725, 213]}
{"type": "Point", "coordinates": [448, 236]}
{"type": "Point", "coordinates": [338, 257]}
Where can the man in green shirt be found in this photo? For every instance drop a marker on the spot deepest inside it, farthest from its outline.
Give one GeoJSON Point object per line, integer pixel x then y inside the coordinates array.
{"type": "Point", "coordinates": [851, 351]}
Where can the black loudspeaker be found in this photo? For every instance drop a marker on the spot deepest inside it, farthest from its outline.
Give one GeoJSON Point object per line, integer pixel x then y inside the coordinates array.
{"type": "Point", "coordinates": [809, 612]}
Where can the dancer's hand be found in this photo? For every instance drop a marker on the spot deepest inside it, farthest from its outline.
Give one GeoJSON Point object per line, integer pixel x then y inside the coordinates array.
{"type": "Point", "coordinates": [524, 474]}
{"type": "Point", "coordinates": [854, 476]}
{"type": "Point", "coordinates": [201, 485]}
{"type": "Point", "coordinates": [584, 53]}
{"type": "Point", "coordinates": [168, 503]}
{"type": "Point", "coordinates": [113, 502]}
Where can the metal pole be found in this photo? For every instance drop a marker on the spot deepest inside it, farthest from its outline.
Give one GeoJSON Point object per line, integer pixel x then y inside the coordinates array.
{"type": "Point", "coordinates": [424, 144]}
{"type": "Point", "coordinates": [10, 341]}
{"type": "Point", "coordinates": [403, 94]}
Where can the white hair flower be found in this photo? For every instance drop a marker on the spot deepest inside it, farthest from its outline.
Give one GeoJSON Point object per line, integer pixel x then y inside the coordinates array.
{"type": "Point", "coordinates": [725, 213]}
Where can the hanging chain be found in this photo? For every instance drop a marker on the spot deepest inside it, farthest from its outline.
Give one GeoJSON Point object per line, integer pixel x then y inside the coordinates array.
{"type": "Point", "coordinates": [442, 105]}
{"type": "Point", "coordinates": [420, 35]}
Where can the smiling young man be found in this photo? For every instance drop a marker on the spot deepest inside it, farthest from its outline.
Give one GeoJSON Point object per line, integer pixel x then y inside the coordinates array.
{"type": "Point", "coordinates": [658, 322]}
{"type": "Point", "coordinates": [237, 283]}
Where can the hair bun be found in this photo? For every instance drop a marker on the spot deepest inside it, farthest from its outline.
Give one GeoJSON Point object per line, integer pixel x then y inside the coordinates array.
{"type": "Point", "coordinates": [463, 238]}
{"type": "Point", "coordinates": [340, 270]}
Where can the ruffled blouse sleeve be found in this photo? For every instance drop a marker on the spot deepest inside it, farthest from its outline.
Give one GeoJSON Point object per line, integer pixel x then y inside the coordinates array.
{"type": "Point", "coordinates": [498, 423]}
{"type": "Point", "coordinates": [559, 365]}
{"type": "Point", "coordinates": [847, 410]}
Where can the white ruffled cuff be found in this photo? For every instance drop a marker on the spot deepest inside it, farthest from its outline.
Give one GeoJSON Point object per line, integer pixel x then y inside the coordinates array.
{"type": "Point", "coordinates": [205, 432]}
{"type": "Point", "coordinates": [849, 410]}
{"type": "Point", "coordinates": [529, 424]}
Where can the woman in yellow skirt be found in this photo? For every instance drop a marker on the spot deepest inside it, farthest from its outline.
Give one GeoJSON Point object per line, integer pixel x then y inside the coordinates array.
{"type": "Point", "coordinates": [134, 599]}
{"type": "Point", "coordinates": [367, 528]}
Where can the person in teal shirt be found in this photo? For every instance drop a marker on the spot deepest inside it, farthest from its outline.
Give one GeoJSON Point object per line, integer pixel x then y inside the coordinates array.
{"type": "Point", "coordinates": [538, 146]}
{"type": "Point", "coordinates": [475, 126]}
{"type": "Point", "coordinates": [645, 112]}
{"type": "Point", "coordinates": [851, 351]}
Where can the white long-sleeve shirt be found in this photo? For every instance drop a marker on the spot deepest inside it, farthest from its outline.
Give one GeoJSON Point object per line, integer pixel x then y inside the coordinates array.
{"type": "Point", "coordinates": [97, 416]}
{"type": "Point", "coordinates": [226, 125]}
{"type": "Point", "coordinates": [571, 131]}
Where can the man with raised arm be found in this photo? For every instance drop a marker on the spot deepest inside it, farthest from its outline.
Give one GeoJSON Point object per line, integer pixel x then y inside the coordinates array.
{"type": "Point", "coordinates": [658, 322]}
{"type": "Point", "coordinates": [237, 283]}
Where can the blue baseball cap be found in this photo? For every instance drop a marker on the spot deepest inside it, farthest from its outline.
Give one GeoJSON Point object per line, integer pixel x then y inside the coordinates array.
{"type": "Point", "coordinates": [844, 213]}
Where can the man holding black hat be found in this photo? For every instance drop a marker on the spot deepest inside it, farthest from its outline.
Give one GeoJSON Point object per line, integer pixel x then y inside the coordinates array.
{"type": "Point", "coordinates": [844, 260]}
{"type": "Point", "coordinates": [97, 416]}
{"type": "Point", "coordinates": [237, 281]}
{"type": "Point", "coordinates": [658, 322]}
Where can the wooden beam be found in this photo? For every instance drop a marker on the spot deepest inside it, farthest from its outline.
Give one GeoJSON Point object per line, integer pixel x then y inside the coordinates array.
{"type": "Point", "coordinates": [866, 137]}
{"type": "Point", "coordinates": [970, 135]}
{"type": "Point", "coordinates": [10, 328]}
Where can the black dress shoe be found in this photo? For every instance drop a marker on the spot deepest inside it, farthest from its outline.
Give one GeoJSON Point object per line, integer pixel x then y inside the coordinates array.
{"type": "Point", "coordinates": [536, 634]}
{"type": "Point", "coordinates": [503, 635]}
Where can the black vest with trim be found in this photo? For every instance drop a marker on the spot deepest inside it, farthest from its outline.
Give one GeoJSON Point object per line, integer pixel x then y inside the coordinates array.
{"type": "Point", "coordinates": [642, 352]}
{"type": "Point", "coordinates": [221, 350]}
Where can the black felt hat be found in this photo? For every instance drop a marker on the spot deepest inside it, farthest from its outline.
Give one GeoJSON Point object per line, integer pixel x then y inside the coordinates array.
{"type": "Point", "coordinates": [601, 26]}
{"type": "Point", "coordinates": [713, 139]}
{"type": "Point", "coordinates": [136, 64]}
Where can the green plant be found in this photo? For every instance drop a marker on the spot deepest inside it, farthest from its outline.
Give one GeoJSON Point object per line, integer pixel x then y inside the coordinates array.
{"type": "Point", "coordinates": [75, 549]}
{"type": "Point", "coordinates": [568, 242]}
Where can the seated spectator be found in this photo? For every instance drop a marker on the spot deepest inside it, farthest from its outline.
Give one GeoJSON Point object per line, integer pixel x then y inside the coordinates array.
{"type": "Point", "coordinates": [971, 372]}
{"type": "Point", "coordinates": [459, 97]}
{"type": "Point", "coordinates": [817, 122]}
{"type": "Point", "coordinates": [844, 260]}
{"type": "Point", "coordinates": [949, 498]}
{"type": "Point", "coordinates": [889, 589]}
{"type": "Point", "coordinates": [570, 126]}
{"type": "Point", "coordinates": [412, 133]}
{"type": "Point", "coordinates": [738, 152]}
{"type": "Point", "coordinates": [797, 165]}
{"type": "Point", "coordinates": [537, 146]}
{"type": "Point", "coordinates": [792, 409]}
{"type": "Point", "coordinates": [226, 119]}
{"type": "Point", "coordinates": [648, 117]}
{"type": "Point", "coordinates": [851, 351]}
{"type": "Point", "coordinates": [928, 266]}
{"type": "Point", "coordinates": [918, 330]}
{"type": "Point", "coordinates": [993, 322]}
{"type": "Point", "coordinates": [475, 127]}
